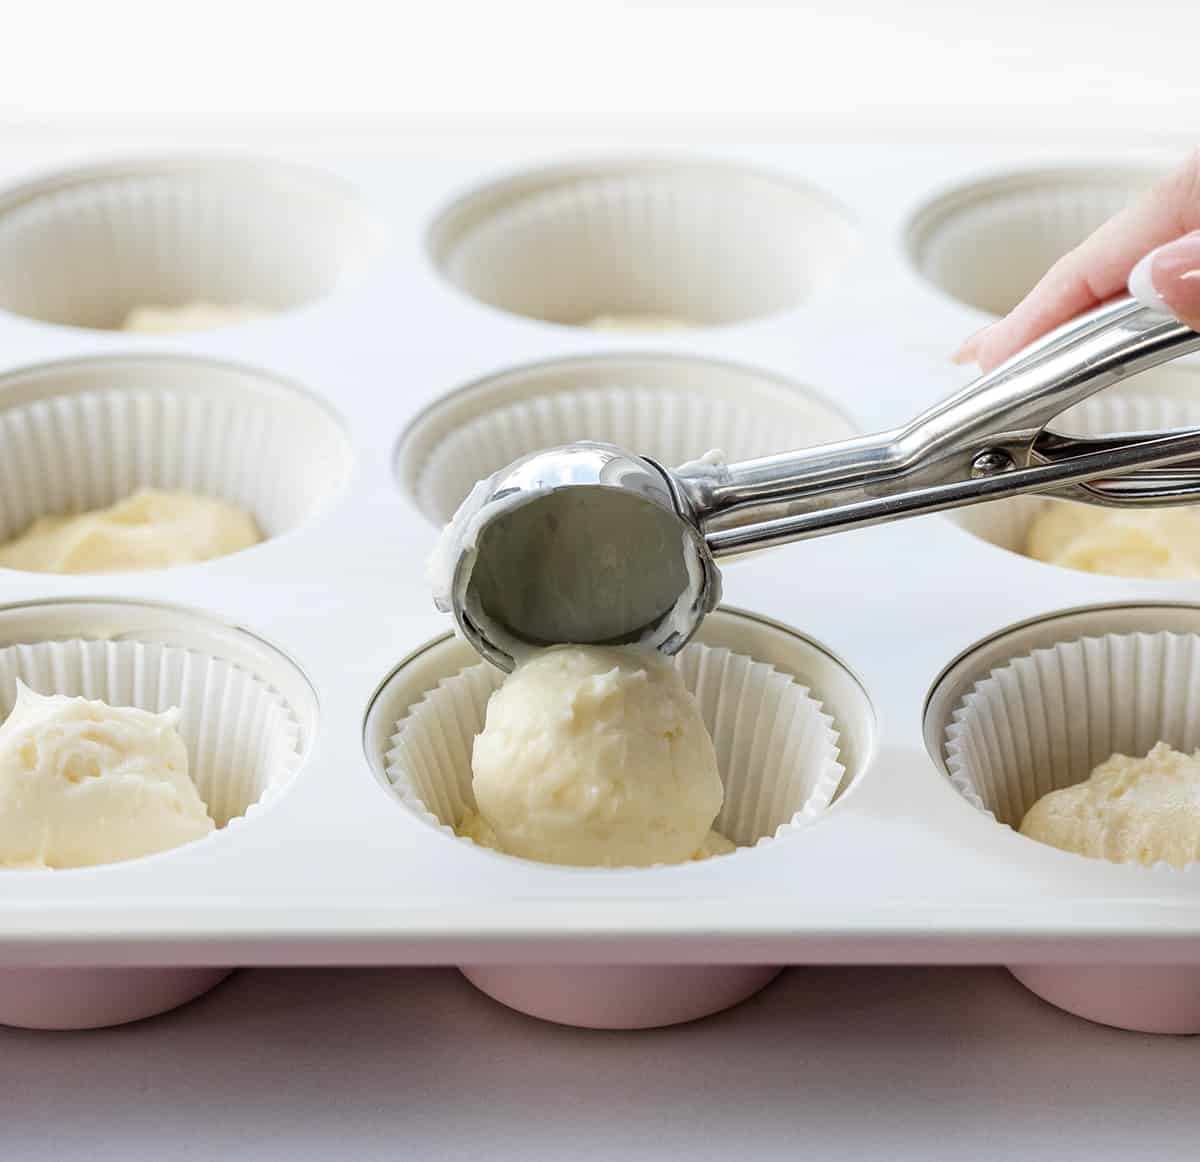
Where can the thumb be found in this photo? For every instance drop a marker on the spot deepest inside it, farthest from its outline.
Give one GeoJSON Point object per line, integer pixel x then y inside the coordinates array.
{"type": "Point", "coordinates": [1170, 277]}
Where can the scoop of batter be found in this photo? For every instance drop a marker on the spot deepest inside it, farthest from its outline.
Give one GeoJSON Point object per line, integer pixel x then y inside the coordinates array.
{"type": "Point", "coordinates": [161, 320]}
{"type": "Point", "coordinates": [596, 756]}
{"type": "Point", "coordinates": [640, 323]}
{"type": "Point", "coordinates": [1129, 810]}
{"type": "Point", "coordinates": [1159, 543]}
{"type": "Point", "coordinates": [85, 783]}
{"type": "Point", "coordinates": [149, 530]}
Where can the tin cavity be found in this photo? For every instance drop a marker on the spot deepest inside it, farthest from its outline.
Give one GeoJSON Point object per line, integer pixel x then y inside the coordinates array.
{"type": "Point", "coordinates": [792, 725]}
{"type": "Point", "coordinates": [671, 408]}
{"type": "Point", "coordinates": [82, 434]}
{"type": "Point", "coordinates": [700, 242]}
{"type": "Point", "coordinates": [986, 243]}
{"type": "Point", "coordinates": [248, 714]}
{"type": "Point", "coordinates": [83, 248]}
{"type": "Point", "coordinates": [1167, 397]}
{"type": "Point", "coordinates": [1038, 706]}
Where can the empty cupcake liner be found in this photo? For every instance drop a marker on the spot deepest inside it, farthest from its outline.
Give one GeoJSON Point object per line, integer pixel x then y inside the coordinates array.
{"type": "Point", "coordinates": [986, 244]}
{"type": "Point", "coordinates": [1156, 401]}
{"type": "Point", "coordinates": [85, 248]}
{"type": "Point", "coordinates": [83, 435]}
{"type": "Point", "coordinates": [672, 409]}
{"type": "Point", "coordinates": [243, 739]}
{"type": "Point", "coordinates": [1046, 720]}
{"type": "Point", "coordinates": [777, 750]}
{"type": "Point", "coordinates": [696, 242]}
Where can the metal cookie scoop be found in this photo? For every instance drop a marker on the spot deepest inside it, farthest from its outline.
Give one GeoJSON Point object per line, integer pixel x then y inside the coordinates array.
{"type": "Point", "coordinates": [592, 544]}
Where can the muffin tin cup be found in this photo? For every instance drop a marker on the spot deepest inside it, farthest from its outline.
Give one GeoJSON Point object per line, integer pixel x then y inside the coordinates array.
{"type": "Point", "coordinates": [1036, 709]}
{"type": "Point", "coordinates": [95, 998]}
{"type": "Point", "coordinates": [83, 434]}
{"type": "Point", "coordinates": [86, 247]}
{"type": "Point", "coordinates": [620, 996]}
{"type": "Point", "coordinates": [987, 243]}
{"type": "Point", "coordinates": [783, 756]}
{"type": "Point", "coordinates": [246, 717]}
{"type": "Point", "coordinates": [698, 242]}
{"type": "Point", "coordinates": [1166, 398]}
{"type": "Point", "coordinates": [670, 407]}
{"type": "Point", "coordinates": [777, 750]}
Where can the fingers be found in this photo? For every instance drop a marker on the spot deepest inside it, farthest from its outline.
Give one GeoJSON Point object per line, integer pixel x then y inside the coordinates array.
{"type": "Point", "coordinates": [1099, 269]}
{"type": "Point", "coordinates": [1171, 275]}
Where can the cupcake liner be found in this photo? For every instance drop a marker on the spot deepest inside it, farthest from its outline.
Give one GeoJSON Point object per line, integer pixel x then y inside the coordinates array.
{"type": "Point", "coordinates": [242, 737]}
{"type": "Point", "coordinates": [1156, 401]}
{"type": "Point", "coordinates": [1046, 720]}
{"type": "Point", "coordinates": [79, 444]}
{"type": "Point", "coordinates": [777, 750]}
{"type": "Point", "coordinates": [696, 242]}
{"type": "Point", "coordinates": [671, 409]}
{"type": "Point", "coordinates": [987, 243]}
{"type": "Point", "coordinates": [85, 248]}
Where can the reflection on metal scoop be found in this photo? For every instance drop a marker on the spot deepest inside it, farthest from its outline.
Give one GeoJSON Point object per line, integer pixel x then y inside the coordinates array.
{"type": "Point", "coordinates": [591, 544]}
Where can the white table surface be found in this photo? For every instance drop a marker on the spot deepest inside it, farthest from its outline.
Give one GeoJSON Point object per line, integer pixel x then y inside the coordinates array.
{"type": "Point", "coordinates": [827, 1063]}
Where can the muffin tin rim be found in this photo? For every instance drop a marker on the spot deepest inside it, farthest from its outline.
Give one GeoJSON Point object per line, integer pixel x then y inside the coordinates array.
{"type": "Point", "coordinates": [407, 475]}
{"type": "Point", "coordinates": [503, 189]}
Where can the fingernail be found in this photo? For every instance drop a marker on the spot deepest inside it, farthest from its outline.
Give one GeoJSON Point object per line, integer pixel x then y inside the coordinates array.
{"type": "Point", "coordinates": [970, 348]}
{"type": "Point", "coordinates": [1169, 278]}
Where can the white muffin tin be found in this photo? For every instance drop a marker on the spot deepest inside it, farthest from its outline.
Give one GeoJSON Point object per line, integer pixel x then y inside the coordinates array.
{"type": "Point", "coordinates": [334, 868]}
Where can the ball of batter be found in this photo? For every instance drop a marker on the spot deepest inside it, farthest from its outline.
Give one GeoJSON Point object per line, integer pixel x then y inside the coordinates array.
{"type": "Point", "coordinates": [596, 756]}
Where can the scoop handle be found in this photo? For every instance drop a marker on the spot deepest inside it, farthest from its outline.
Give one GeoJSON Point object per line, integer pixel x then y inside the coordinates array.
{"type": "Point", "coordinates": [989, 429]}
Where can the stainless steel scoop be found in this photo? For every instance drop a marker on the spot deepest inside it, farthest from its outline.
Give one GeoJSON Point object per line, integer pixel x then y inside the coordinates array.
{"type": "Point", "coordinates": [592, 544]}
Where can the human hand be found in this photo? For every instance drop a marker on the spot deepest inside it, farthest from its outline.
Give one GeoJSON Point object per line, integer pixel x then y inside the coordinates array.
{"type": "Point", "coordinates": [1153, 244]}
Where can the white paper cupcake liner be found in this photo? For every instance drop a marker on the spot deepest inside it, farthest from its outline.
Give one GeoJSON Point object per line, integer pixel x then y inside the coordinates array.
{"type": "Point", "coordinates": [243, 739]}
{"type": "Point", "coordinates": [1156, 401]}
{"type": "Point", "coordinates": [1046, 720]}
{"type": "Point", "coordinates": [986, 244]}
{"type": "Point", "coordinates": [697, 242]}
{"type": "Point", "coordinates": [777, 750]}
{"type": "Point", "coordinates": [84, 248]}
{"type": "Point", "coordinates": [672, 409]}
{"type": "Point", "coordinates": [82, 435]}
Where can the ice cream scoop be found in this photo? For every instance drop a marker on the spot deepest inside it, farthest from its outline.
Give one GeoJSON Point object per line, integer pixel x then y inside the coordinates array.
{"type": "Point", "coordinates": [593, 544]}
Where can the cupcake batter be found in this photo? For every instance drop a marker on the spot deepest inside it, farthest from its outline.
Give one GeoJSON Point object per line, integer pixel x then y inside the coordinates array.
{"type": "Point", "coordinates": [84, 783]}
{"type": "Point", "coordinates": [1159, 543]}
{"type": "Point", "coordinates": [640, 323]}
{"type": "Point", "coordinates": [198, 316]}
{"type": "Point", "coordinates": [149, 530]}
{"type": "Point", "coordinates": [1129, 810]}
{"type": "Point", "coordinates": [596, 756]}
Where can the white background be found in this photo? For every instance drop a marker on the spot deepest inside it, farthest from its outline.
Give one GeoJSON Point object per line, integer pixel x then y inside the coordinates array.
{"type": "Point", "coordinates": [831, 1064]}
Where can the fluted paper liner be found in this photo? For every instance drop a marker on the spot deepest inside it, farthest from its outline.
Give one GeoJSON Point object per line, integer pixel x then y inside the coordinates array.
{"type": "Point", "coordinates": [777, 750]}
{"type": "Point", "coordinates": [987, 244]}
{"type": "Point", "coordinates": [1046, 720]}
{"type": "Point", "coordinates": [673, 409]}
{"type": "Point", "coordinates": [277, 458]}
{"type": "Point", "coordinates": [1132, 408]}
{"type": "Point", "coordinates": [85, 248]}
{"type": "Point", "coordinates": [243, 739]}
{"type": "Point", "coordinates": [701, 243]}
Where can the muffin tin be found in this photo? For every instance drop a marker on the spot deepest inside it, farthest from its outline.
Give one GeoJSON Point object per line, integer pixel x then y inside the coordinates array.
{"type": "Point", "coordinates": [425, 336]}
